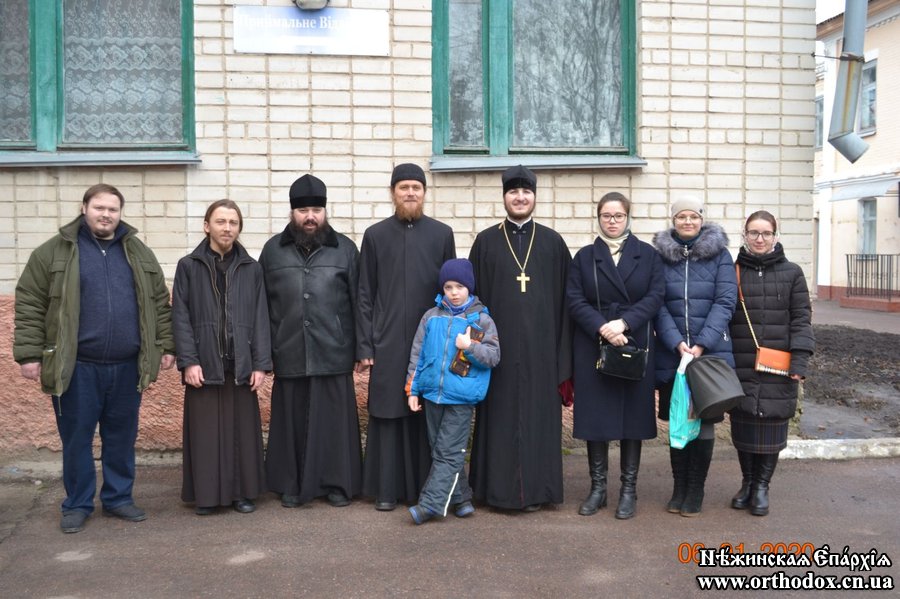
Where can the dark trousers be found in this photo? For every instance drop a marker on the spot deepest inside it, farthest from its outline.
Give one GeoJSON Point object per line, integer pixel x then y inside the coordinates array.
{"type": "Point", "coordinates": [448, 434]}
{"type": "Point", "coordinates": [106, 394]}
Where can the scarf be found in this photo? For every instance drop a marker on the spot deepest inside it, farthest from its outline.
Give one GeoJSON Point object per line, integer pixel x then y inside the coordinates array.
{"type": "Point", "coordinates": [457, 310]}
{"type": "Point", "coordinates": [615, 244]}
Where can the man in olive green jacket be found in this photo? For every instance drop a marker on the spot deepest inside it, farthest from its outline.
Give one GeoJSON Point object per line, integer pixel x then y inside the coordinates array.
{"type": "Point", "coordinates": [93, 324]}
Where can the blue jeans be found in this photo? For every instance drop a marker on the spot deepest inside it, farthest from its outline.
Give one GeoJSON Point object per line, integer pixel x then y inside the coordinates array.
{"type": "Point", "coordinates": [448, 434]}
{"type": "Point", "coordinates": [106, 394]}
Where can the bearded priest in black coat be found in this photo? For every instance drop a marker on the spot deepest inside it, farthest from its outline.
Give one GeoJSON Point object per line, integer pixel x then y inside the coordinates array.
{"type": "Point", "coordinates": [400, 260]}
{"type": "Point", "coordinates": [521, 269]}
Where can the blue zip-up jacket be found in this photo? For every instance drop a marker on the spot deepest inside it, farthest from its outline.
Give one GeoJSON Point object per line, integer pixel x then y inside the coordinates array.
{"type": "Point", "coordinates": [108, 330]}
{"type": "Point", "coordinates": [701, 293]}
{"type": "Point", "coordinates": [434, 348]}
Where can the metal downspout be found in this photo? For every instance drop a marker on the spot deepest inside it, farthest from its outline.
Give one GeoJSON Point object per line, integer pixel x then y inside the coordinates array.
{"type": "Point", "coordinates": [841, 132]}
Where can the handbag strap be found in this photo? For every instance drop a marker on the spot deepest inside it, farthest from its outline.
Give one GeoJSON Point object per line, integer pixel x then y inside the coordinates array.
{"type": "Point", "coordinates": [737, 269]}
{"type": "Point", "coordinates": [597, 292]}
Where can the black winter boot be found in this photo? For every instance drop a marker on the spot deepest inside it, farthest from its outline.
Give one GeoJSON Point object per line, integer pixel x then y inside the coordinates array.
{"type": "Point", "coordinates": [630, 462]}
{"type": "Point", "coordinates": [679, 460]}
{"type": "Point", "coordinates": [741, 499]}
{"type": "Point", "coordinates": [701, 451]}
{"type": "Point", "coordinates": [759, 489]}
{"type": "Point", "coordinates": [598, 465]}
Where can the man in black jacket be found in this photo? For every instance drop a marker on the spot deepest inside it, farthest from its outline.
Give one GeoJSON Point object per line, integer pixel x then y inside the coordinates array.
{"type": "Point", "coordinates": [221, 328]}
{"type": "Point", "coordinates": [311, 275]}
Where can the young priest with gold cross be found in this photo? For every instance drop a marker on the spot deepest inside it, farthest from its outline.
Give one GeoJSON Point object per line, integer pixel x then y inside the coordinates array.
{"type": "Point", "coordinates": [520, 271]}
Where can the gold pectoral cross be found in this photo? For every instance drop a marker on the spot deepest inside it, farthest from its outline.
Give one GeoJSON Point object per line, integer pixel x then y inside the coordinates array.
{"type": "Point", "coordinates": [522, 279]}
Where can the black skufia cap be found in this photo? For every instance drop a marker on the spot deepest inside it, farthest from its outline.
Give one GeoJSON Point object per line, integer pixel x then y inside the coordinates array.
{"type": "Point", "coordinates": [519, 176]}
{"type": "Point", "coordinates": [308, 191]}
{"type": "Point", "coordinates": [407, 172]}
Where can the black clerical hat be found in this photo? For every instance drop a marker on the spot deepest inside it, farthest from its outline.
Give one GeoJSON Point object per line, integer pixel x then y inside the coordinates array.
{"type": "Point", "coordinates": [407, 172]}
{"type": "Point", "coordinates": [519, 176]}
{"type": "Point", "coordinates": [308, 191]}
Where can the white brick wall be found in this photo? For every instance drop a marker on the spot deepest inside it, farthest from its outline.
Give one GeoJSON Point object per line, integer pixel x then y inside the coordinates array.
{"type": "Point", "coordinates": [725, 112]}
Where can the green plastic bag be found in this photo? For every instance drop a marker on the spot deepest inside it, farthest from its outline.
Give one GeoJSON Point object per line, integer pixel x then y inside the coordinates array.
{"type": "Point", "coordinates": [682, 428]}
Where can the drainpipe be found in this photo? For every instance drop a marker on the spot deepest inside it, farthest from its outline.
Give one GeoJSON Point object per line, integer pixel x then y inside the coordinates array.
{"type": "Point", "coordinates": [841, 133]}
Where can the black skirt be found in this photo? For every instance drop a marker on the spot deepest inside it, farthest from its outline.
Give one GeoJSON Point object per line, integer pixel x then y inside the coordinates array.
{"type": "Point", "coordinates": [223, 448]}
{"type": "Point", "coordinates": [758, 435]}
{"type": "Point", "coordinates": [398, 458]}
{"type": "Point", "coordinates": [314, 445]}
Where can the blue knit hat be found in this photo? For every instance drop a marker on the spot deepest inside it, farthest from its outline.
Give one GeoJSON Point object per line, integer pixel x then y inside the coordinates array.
{"type": "Point", "coordinates": [459, 270]}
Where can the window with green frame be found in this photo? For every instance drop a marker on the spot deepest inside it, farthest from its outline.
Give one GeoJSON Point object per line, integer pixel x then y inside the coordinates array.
{"type": "Point", "coordinates": [96, 81]}
{"type": "Point", "coordinates": [547, 81]}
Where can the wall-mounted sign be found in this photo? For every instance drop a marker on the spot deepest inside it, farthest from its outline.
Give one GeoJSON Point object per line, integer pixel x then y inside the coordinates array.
{"type": "Point", "coordinates": [289, 30]}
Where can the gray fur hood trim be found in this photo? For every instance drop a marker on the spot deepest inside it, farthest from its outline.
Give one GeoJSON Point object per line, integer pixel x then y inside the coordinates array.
{"type": "Point", "coordinates": [710, 244]}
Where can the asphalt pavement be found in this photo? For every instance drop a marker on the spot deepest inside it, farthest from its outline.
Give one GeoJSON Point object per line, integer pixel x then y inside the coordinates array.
{"type": "Point", "coordinates": [846, 505]}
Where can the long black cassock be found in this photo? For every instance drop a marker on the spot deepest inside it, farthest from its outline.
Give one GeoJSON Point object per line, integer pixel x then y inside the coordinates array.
{"type": "Point", "coordinates": [398, 281]}
{"type": "Point", "coordinates": [517, 447]}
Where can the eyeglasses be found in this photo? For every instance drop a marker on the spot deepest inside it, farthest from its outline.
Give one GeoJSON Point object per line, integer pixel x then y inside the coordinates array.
{"type": "Point", "coordinates": [613, 218]}
{"type": "Point", "coordinates": [688, 218]}
{"type": "Point", "coordinates": [754, 235]}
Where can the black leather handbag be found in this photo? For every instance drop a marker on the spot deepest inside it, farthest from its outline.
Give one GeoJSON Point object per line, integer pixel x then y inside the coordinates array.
{"type": "Point", "coordinates": [626, 362]}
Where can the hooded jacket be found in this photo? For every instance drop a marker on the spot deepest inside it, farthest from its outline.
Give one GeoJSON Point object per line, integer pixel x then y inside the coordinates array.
{"type": "Point", "coordinates": [434, 348]}
{"type": "Point", "coordinates": [48, 306]}
{"type": "Point", "coordinates": [701, 293]}
{"type": "Point", "coordinates": [777, 301]}
{"type": "Point", "coordinates": [196, 318]}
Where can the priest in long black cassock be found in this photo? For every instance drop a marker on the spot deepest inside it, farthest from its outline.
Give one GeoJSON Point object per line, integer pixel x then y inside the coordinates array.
{"type": "Point", "coordinates": [400, 260]}
{"type": "Point", "coordinates": [520, 270]}
{"type": "Point", "coordinates": [311, 273]}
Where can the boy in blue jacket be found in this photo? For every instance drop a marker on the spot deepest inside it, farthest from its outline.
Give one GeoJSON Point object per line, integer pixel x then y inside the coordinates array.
{"type": "Point", "coordinates": [450, 363]}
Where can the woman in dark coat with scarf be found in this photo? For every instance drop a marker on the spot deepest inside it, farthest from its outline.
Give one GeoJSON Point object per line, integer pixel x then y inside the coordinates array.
{"type": "Point", "coordinates": [701, 293]}
{"type": "Point", "coordinates": [778, 309]}
{"type": "Point", "coordinates": [614, 291]}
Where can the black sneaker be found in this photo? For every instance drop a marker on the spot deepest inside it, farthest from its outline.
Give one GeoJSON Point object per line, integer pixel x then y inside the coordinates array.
{"type": "Point", "coordinates": [244, 506]}
{"type": "Point", "coordinates": [385, 506]}
{"type": "Point", "coordinates": [337, 498]}
{"type": "Point", "coordinates": [128, 512]}
{"type": "Point", "coordinates": [290, 500]}
{"type": "Point", "coordinates": [72, 521]}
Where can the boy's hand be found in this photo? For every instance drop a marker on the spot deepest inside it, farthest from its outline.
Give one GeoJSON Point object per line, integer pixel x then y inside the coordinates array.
{"type": "Point", "coordinates": [464, 340]}
{"type": "Point", "coordinates": [413, 402]}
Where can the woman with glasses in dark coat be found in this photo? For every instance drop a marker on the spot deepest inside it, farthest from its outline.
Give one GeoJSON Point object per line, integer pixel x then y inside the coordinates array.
{"type": "Point", "coordinates": [614, 291]}
{"type": "Point", "coordinates": [700, 297]}
{"type": "Point", "coordinates": [777, 316]}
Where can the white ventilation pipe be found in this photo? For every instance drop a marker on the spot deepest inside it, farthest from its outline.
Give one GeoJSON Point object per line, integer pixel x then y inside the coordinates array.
{"type": "Point", "coordinates": [841, 133]}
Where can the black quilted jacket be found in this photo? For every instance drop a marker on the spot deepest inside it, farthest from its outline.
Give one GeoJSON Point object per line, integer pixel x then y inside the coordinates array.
{"type": "Point", "coordinates": [778, 303]}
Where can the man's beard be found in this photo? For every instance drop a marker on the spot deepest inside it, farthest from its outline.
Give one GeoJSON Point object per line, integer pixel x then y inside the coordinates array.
{"type": "Point", "coordinates": [406, 211]}
{"type": "Point", "coordinates": [312, 240]}
{"type": "Point", "coordinates": [520, 217]}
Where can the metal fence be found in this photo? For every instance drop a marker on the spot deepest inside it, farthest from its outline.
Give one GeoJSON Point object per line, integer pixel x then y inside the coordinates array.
{"type": "Point", "coordinates": [873, 275]}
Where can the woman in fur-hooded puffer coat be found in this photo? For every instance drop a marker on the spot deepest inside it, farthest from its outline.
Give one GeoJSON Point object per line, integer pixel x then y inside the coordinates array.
{"type": "Point", "coordinates": [701, 293]}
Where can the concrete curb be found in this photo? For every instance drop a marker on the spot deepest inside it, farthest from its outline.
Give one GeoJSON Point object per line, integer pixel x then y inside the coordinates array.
{"type": "Point", "coordinates": [841, 449]}
{"type": "Point", "coordinates": [797, 449]}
